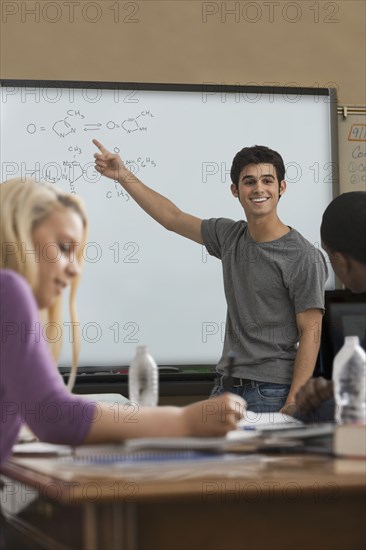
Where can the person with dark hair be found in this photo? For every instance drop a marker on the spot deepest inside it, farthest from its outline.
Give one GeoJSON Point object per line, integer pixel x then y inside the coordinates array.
{"type": "Point", "coordinates": [257, 155]}
{"type": "Point", "coordinates": [343, 234]}
{"type": "Point", "coordinates": [274, 278]}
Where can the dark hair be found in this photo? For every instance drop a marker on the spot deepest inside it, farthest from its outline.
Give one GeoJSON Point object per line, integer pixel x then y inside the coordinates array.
{"type": "Point", "coordinates": [343, 227]}
{"type": "Point", "coordinates": [257, 154]}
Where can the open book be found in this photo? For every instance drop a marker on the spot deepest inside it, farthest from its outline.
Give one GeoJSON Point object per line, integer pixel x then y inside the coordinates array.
{"type": "Point", "coordinates": [268, 421]}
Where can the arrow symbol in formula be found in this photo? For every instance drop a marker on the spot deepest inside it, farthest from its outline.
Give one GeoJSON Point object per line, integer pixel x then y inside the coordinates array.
{"type": "Point", "coordinates": [92, 127]}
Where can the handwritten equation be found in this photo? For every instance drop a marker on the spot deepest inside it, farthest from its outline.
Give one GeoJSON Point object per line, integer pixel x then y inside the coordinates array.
{"type": "Point", "coordinates": [68, 125]}
{"type": "Point", "coordinates": [70, 130]}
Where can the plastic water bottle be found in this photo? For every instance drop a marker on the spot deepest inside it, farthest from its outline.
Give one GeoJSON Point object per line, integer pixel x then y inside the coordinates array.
{"type": "Point", "coordinates": [349, 377]}
{"type": "Point", "coordinates": [143, 379]}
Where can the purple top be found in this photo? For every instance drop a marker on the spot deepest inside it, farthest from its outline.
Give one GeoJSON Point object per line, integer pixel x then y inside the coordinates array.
{"type": "Point", "coordinates": [31, 388]}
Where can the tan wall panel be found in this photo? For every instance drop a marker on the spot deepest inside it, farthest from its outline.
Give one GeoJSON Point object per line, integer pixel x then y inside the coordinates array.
{"type": "Point", "coordinates": [188, 41]}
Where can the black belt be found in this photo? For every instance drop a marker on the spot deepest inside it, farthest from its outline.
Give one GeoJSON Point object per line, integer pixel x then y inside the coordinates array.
{"type": "Point", "coordinates": [232, 381]}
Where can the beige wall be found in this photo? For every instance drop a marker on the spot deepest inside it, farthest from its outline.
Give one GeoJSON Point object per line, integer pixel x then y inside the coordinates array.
{"type": "Point", "coordinates": [304, 42]}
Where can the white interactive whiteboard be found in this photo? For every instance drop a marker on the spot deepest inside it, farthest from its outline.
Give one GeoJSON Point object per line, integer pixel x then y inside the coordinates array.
{"type": "Point", "coordinates": [142, 284]}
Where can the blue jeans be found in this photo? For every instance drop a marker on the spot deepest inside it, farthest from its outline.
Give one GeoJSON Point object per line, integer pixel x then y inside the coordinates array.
{"type": "Point", "coordinates": [260, 396]}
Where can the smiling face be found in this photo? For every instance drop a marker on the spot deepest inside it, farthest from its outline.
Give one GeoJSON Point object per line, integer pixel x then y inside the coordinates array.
{"type": "Point", "coordinates": [57, 240]}
{"type": "Point", "coordinates": [258, 189]}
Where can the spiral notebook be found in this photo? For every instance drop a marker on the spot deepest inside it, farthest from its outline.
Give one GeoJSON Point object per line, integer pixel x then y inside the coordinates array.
{"type": "Point", "coordinates": [147, 458]}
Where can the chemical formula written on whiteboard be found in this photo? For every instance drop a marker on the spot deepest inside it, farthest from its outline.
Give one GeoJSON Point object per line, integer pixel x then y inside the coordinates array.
{"type": "Point", "coordinates": [73, 171]}
{"type": "Point", "coordinates": [70, 124]}
{"type": "Point", "coordinates": [67, 129]}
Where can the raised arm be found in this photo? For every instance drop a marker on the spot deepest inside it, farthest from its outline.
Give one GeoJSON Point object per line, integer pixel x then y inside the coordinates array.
{"type": "Point", "coordinates": [157, 206]}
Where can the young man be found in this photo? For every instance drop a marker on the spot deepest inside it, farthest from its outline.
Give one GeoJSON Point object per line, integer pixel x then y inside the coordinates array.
{"type": "Point", "coordinates": [343, 234]}
{"type": "Point", "coordinates": [274, 279]}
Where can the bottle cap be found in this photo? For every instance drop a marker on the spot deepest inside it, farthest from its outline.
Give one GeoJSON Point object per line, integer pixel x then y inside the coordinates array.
{"type": "Point", "coordinates": [141, 349]}
{"type": "Point", "coordinates": [352, 340]}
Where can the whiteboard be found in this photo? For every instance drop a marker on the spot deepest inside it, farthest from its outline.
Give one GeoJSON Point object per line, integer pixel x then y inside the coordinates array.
{"type": "Point", "coordinates": [142, 284]}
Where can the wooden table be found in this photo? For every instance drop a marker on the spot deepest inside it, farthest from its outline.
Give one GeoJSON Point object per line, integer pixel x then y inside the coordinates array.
{"type": "Point", "coordinates": [267, 502]}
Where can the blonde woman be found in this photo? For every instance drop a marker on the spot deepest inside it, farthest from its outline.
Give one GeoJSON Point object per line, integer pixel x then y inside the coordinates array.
{"type": "Point", "coordinates": [42, 233]}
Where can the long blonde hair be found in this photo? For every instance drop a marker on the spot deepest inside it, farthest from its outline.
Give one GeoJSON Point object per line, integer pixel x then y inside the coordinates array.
{"type": "Point", "coordinates": [24, 203]}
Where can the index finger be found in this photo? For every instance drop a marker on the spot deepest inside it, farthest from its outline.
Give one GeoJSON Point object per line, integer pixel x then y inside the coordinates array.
{"type": "Point", "coordinates": [101, 147]}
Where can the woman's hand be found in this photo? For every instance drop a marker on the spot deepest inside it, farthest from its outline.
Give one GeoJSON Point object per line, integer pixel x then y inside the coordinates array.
{"type": "Point", "coordinates": [213, 417]}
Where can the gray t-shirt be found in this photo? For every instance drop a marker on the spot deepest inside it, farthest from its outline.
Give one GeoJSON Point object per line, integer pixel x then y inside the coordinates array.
{"type": "Point", "coordinates": [266, 285]}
